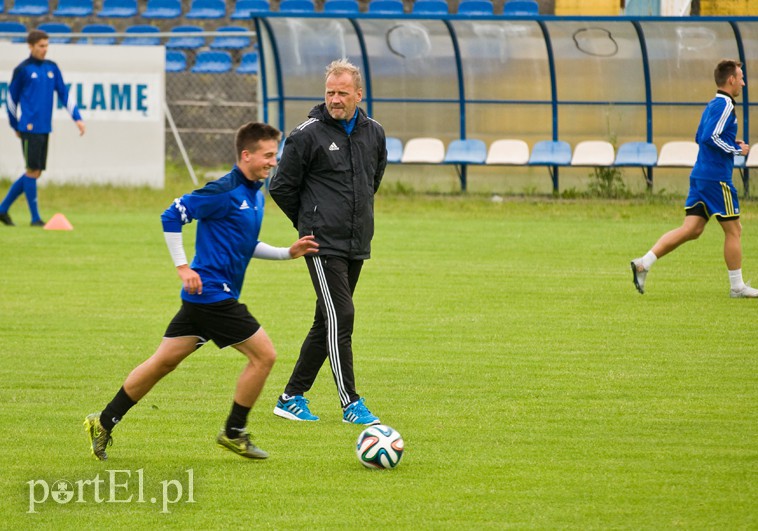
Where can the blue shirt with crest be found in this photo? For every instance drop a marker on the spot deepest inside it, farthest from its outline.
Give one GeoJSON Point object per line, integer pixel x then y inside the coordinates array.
{"type": "Point", "coordinates": [30, 96]}
{"type": "Point", "coordinates": [229, 213]}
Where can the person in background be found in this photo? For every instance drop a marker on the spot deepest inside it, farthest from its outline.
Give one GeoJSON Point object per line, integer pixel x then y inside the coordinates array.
{"type": "Point", "coordinates": [711, 190]}
{"type": "Point", "coordinates": [30, 114]}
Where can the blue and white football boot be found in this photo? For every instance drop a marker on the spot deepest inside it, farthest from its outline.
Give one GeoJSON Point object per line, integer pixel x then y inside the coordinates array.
{"type": "Point", "coordinates": [294, 408]}
{"type": "Point", "coordinates": [358, 413]}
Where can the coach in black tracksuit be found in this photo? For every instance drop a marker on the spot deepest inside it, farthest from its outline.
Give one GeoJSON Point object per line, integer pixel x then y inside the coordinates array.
{"type": "Point", "coordinates": [331, 166]}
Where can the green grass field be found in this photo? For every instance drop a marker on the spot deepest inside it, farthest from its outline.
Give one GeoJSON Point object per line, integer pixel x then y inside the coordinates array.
{"type": "Point", "coordinates": [533, 386]}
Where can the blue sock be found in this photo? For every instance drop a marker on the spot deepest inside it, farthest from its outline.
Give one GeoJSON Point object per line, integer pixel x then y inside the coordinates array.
{"type": "Point", "coordinates": [16, 190]}
{"type": "Point", "coordinates": [30, 189]}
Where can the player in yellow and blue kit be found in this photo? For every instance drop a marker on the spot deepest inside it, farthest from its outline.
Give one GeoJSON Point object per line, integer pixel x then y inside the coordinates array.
{"type": "Point", "coordinates": [711, 190]}
{"type": "Point", "coordinates": [30, 114]}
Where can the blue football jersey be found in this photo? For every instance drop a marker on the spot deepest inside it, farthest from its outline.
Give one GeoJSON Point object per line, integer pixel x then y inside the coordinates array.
{"type": "Point", "coordinates": [30, 96]}
{"type": "Point", "coordinates": [229, 212]}
{"type": "Point", "coordinates": [716, 135]}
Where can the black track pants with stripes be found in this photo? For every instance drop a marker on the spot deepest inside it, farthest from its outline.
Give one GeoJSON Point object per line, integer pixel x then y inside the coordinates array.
{"type": "Point", "coordinates": [334, 280]}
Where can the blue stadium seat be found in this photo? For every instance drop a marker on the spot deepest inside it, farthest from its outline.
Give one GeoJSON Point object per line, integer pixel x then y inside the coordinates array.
{"type": "Point", "coordinates": [297, 6]}
{"type": "Point", "coordinates": [248, 63]}
{"type": "Point", "coordinates": [142, 36]}
{"type": "Point", "coordinates": [386, 7]}
{"type": "Point", "coordinates": [231, 42]}
{"type": "Point", "coordinates": [465, 152]}
{"type": "Point", "coordinates": [429, 7]}
{"type": "Point", "coordinates": [73, 8]}
{"type": "Point", "coordinates": [640, 154]}
{"type": "Point", "coordinates": [118, 9]}
{"type": "Point", "coordinates": [209, 62]}
{"type": "Point", "coordinates": [98, 28]}
{"type": "Point", "coordinates": [551, 153]}
{"type": "Point", "coordinates": [163, 9]}
{"type": "Point", "coordinates": [207, 9]}
{"type": "Point", "coordinates": [11, 26]}
{"type": "Point", "coordinates": [394, 148]}
{"type": "Point", "coordinates": [521, 8]}
{"type": "Point", "coordinates": [244, 9]}
{"type": "Point", "coordinates": [31, 8]}
{"type": "Point", "coordinates": [176, 61]}
{"type": "Point", "coordinates": [182, 38]}
{"type": "Point", "coordinates": [468, 151]}
{"type": "Point", "coordinates": [637, 154]}
{"type": "Point", "coordinates": [341, 6]}
{"type": "Point", "coordinates": [56, 27]}
{"type": "Point", "coordinates": [475, 7]}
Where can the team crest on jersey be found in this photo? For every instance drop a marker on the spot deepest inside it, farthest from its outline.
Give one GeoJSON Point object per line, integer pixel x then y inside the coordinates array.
{"type": "Point", "coordinates": [50, 75]}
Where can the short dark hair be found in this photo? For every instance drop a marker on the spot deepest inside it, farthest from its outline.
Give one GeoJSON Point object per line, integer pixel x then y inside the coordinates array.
{"type": "Point", "coordinates": [251, 133]}
{"type": "Point", "coordinates": [35, 36]}
{"type": "Point", "coordinates": [725, 69]}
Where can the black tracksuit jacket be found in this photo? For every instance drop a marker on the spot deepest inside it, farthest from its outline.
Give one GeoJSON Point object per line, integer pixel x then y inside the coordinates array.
{"type": "Point", "coordinates": [326, 180]}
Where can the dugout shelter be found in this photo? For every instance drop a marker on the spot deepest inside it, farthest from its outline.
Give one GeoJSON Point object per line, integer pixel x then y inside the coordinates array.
{"type": "Point", "coordinates": [531, 78]}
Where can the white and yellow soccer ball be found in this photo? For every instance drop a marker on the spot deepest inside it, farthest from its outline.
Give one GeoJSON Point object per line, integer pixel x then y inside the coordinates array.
{"type": "Point", "coordinates": [379, 446]}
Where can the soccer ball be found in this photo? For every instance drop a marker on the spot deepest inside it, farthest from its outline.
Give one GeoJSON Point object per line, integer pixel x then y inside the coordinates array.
{"type": "Point", "coordinates": [379, 447]}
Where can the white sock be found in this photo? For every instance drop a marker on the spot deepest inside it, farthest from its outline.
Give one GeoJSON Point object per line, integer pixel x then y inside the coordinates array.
{"type": "Point", "coordinates": [735, 279]}
{"type": "Point", "coordinates": [648, 260]}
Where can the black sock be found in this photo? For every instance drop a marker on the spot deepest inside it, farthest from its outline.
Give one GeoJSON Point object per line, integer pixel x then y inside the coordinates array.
{"type": "Point", "coordinates": [116, 409]}
{"type": "Point", "coordinates": [235, 423]}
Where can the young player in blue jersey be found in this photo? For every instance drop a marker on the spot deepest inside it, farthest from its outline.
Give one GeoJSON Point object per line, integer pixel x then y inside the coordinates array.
{"type": "Point", "coordinates": [711, 190]}
{"type": "Point", "coordinates": [229, 212]}
{"type": "Point", "coordinates": [30, 114]}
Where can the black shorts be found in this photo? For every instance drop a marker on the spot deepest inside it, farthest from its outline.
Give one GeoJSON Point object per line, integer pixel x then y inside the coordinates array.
{"type": "Point", "coordinates": [226, 322]}
{"type": "Point", "coordinates": [35, 150]}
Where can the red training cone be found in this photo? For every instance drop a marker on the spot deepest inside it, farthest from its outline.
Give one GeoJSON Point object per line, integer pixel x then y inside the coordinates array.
{"type": "Point", "coordinates": [58, 222]}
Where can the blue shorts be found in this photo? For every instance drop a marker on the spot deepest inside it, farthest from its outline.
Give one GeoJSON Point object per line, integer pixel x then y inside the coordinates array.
{"type": "Point", "coordinates": [712, 198]}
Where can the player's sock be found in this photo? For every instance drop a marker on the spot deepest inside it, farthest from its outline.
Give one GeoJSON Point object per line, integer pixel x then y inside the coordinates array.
{"type": "Point", "coordinates": [235, 423]}
{"type": "Point", "coordinates": [735, 279]}
{"type": "Point", "coordinates": [16, 189]}
{"type": "Point", "coordinates": [648, 260]}
{"type": "Point", "coordinates": [30, 189]}
{"type": "Point", "coordinates": [116, 409]}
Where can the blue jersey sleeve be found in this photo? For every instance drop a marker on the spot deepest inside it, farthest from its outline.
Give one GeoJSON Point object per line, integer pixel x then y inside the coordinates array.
{"type": "Point", "coordinates": [717, 130]}
{"type": "Point", "coordinates": [65, 96]}
{"type": "Point", "coordinates": [209, 202]}
{"type": "Point", "coordinates": [14, 94]}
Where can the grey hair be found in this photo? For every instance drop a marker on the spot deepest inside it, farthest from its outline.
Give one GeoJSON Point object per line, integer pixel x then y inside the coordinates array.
{"type": "Point", "coordinates": [342, 66]}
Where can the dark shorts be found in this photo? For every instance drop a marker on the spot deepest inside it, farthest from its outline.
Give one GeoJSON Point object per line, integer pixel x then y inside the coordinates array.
{"type": "Point", "coordinates": [226, 322]}
{"type": "Point", "coordinates": [34, 146]}
{"type": "Point", "coordinates": [712, 198]}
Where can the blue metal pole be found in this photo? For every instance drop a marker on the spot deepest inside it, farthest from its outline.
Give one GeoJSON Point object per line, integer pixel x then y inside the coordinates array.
{"type": "Point", "coordinates": [553, 92]}
{"type": "Point", "coordinates": [368, 95]}
{"type": "Point", "coordinates": [648, 92]}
